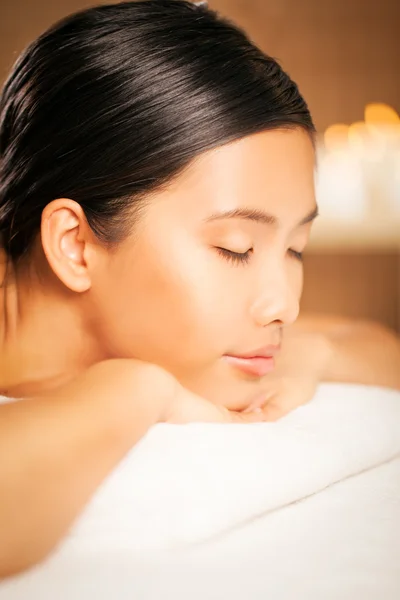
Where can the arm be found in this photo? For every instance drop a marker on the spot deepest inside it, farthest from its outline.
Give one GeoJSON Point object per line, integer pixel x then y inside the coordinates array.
{"type": "Point", "coordinates": [56, 450]}
{"type": "Point", "coordinates": [359, 351]}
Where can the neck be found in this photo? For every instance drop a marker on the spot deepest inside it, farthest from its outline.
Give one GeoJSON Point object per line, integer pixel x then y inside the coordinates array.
{"type": "Point", "coordinates": [43, 339]}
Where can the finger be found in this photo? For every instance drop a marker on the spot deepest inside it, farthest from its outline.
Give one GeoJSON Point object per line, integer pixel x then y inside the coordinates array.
{"type": "Point", "coordinates": [257, 416]}
{"type": "Point", "coordinates": [260, 401]}
{"type": "Point", "coordinates": [273, 412]}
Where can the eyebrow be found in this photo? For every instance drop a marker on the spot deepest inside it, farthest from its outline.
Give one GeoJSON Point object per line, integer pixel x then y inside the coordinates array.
{"type": "Point", "coordinates": [257, 215]}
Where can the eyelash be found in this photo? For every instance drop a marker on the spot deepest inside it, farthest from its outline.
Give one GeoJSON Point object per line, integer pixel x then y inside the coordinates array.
{"type": "Point", "coordinates": [235, 257]}
{"type": "Point", "coordinates": [243, 258]}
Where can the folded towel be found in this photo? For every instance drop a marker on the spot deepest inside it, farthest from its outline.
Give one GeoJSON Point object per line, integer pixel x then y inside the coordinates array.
{"type": "Point", "coordinates": [306, 508]}
{"type": "Point", "coordinates": [186, 483]}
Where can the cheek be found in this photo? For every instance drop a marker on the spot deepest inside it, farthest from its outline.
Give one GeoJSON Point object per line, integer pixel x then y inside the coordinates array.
{"type": "Point", "coordinates": [167, 309]}
{"type": "Point", "coordinates": [190, 309]}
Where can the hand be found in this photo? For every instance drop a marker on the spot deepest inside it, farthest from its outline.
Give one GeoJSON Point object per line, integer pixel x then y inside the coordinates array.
{"type": "Point", "coordinates": [187, 407]}
{"type": "Point", "coordinates": [300, 368]}
{"type": "Point", "coordinates": [285, 394]}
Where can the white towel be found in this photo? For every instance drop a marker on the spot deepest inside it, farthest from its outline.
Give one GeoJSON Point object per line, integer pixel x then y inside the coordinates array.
{"type": "Point", "coordinates": [301, 509]}
{"type": "Point", "coordinates": [183, 484]}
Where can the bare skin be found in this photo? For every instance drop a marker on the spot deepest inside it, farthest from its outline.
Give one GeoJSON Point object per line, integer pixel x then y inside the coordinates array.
{"type": "Point", "coordinates": [82, 324]}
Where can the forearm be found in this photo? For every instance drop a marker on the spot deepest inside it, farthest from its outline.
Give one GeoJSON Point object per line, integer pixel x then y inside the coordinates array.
{"type": "Point", "coordinates": [55, 451]}
{"type": "Point", "coordinates": [357, 351]}
{"type": "Point", "coordinates": [365, 353]}
{"type": "Point", "coordinates": [331, 349]}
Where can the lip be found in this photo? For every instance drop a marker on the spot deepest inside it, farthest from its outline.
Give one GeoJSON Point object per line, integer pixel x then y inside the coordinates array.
{"type": "Point", "coordinates": [257, 366]}
{"type": "Point", "coordinates": [257, 362]}
{"type": "Point", "coordinates": [263, 352]}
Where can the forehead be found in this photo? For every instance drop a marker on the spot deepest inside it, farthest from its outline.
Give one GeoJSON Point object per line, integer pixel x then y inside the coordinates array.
{"type": "Point", "coordinates": [272, 170]}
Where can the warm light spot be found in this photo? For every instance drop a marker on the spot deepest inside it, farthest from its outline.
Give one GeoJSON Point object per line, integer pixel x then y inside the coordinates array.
{"type": "Point", "coordinates": [364, 141]}
{"type": "Point", "coordinates": [358, 177]}
{"type": "Point", "coordinates": [336, 137]}
{"type": "Point", "coordinates": [358, 135]}
{"type": "Point", "coordinates": [382, 114]}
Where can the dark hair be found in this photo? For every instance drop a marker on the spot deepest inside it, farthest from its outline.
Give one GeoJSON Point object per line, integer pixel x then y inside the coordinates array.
{"type": "Point", "coordinates": [113, 102]}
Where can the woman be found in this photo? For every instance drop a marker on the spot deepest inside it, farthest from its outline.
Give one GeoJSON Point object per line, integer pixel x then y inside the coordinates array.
{"type": "Point", "coordinates": [156, 198]}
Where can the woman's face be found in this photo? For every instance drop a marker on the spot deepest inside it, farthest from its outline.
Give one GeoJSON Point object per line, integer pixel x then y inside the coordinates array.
{"type": "Point", "coordinates": [168, 295]}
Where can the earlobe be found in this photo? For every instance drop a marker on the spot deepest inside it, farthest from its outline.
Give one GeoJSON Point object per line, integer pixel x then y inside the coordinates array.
{"type": "Point", "coordinates": [65, 234]}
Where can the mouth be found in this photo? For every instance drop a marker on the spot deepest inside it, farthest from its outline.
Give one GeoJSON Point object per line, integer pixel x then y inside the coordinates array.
{"type": "Point", "coordinates": [257, 362]}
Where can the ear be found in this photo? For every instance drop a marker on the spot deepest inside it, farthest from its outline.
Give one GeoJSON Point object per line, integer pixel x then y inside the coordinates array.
{"type": "Point", "coordinates": [68, 243]}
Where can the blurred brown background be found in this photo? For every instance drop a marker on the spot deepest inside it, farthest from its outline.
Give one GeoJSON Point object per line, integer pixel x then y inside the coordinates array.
{"type": "Point", "coordinates": [343, 54]}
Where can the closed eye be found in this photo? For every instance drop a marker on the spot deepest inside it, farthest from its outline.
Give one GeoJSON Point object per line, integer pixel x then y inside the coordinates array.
{"type": "Point", "coordinates": [235, 257]}
{"type": "Point", "coordinates": [244, 257]}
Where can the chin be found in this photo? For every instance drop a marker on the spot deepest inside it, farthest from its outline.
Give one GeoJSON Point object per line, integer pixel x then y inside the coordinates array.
{"type": "Point", "coordinates": [220, 385]}
{"type": "Point", "coordinates": [233, 395]}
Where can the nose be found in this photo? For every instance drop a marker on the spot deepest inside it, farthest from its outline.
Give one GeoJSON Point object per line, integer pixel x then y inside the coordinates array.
{"type": "Point", "coordinates": [278, 301]}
